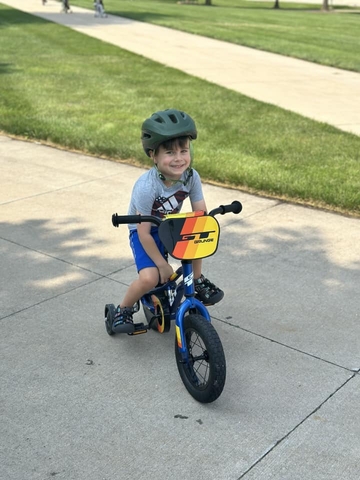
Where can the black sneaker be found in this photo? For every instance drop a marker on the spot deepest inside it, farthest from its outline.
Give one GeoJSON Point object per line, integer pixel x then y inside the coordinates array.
{"type": "Point", "coordinates": [123, 320]}
{"type": "Point", "coordinates": [207, 292]}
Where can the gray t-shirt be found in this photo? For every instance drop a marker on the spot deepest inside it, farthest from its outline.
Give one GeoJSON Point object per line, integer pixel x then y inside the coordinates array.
{"type": "Point", "coordinates": [150, 196]}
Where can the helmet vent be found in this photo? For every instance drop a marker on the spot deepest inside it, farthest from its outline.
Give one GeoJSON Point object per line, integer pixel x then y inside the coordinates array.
{"type": "Point", "coordinates": [173, 118]}
{"type": "Point", "coordinates": [159, 120]}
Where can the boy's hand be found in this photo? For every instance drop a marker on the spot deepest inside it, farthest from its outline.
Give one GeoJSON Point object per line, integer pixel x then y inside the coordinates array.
{"type": "Point", "coordinates": [165, 272]}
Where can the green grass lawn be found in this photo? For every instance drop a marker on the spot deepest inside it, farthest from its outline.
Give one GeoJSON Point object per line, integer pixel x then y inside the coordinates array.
{"type": "Point", "coordinates": [297, 30]}
{"type": "Point", "coordinates": [72, 90]}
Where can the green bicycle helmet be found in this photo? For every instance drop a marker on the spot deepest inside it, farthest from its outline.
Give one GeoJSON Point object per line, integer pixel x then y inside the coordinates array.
{"type": "Point", "coordinates": [165, 125]}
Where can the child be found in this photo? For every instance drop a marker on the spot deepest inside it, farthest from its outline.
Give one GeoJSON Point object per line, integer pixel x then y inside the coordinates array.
{"type": "Point", "coordinates": [99, 9]}
{"type": "Point", "coordinates": [66, 7]}
{"type": "Point", "coordinates": [166, 138]}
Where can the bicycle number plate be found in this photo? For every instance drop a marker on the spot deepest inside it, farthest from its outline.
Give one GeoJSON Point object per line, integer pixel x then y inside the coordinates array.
{"type": "Point", "coordinates": [190, 236]}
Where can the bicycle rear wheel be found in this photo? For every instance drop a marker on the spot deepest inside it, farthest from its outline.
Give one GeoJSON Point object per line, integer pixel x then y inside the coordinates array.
{"type": "Point", "coordinates": [205, 371]}
{"type": "Point", "coordinates": [161, 310]}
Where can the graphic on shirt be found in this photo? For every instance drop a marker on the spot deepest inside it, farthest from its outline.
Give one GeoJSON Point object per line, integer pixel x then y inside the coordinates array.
{"type": "Point", "coordinates": [165, 205]}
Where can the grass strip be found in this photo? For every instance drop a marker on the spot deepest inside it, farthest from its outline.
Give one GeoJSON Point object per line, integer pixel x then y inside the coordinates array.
{"type": "Point", "coordinates": [71, 90]}
{"type": "Point", "coordinates": [296, 30]}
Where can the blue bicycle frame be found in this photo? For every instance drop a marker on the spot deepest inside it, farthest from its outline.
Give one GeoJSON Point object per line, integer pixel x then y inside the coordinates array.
{"type": "Point", "coordinates": [190, 303]}
{"type": "Point", "coordinates": [177, 310]}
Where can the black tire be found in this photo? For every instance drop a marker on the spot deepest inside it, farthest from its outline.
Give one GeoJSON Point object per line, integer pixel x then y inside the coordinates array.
{"type": "Point", "coordinates": [109, 318]}
{"type": "Point", "coordinates": [204, 375]}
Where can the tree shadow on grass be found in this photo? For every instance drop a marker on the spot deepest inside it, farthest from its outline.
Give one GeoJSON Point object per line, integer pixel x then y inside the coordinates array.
{"type": "Point", "coordinates": [6, 68]}
{"type": "Point", "coordinates": [10, 16]}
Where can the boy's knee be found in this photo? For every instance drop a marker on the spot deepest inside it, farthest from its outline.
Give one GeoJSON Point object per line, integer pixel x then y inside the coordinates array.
{"type": "Point", "coordinates": [149, 278]}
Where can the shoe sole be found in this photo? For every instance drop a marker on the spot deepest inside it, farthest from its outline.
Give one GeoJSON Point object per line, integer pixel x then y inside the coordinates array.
{"type": "Point", "coordinates": [124, 328]}
{"type": "Point", "coordinates": [215, 299]}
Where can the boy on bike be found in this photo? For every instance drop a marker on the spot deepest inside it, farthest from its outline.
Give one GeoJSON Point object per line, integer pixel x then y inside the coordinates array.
{"type": "Point", "coordinates": [166, 138]}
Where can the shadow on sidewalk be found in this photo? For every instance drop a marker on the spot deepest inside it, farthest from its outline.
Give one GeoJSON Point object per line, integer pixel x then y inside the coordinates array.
{"type": "Point", "coordinates": [279, 283]}
{"type": "Point", "coordinates": [44, 258]}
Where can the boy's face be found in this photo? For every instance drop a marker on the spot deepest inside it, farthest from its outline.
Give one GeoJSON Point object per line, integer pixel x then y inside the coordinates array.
{"type": "Point", "coordinates": [173, 162]}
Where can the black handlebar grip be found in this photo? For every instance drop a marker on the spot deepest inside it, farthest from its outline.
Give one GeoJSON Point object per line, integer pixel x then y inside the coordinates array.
{"type": "Point", "coordinates": [234, 207]}
{"type": "Point", "coordinates": [125, 219]}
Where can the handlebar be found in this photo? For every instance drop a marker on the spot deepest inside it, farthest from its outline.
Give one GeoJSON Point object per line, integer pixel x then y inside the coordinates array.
{"type": "Point", "coordinates": [124, 219]}
{"type": "Point", "coordinates": [234, 207]}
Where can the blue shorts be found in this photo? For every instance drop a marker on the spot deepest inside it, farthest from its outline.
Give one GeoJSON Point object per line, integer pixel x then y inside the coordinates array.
{"type": "Point", "coordinates": [142, 259]}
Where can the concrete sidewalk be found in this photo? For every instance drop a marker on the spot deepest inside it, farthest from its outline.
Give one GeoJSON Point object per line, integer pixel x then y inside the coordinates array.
{"type": "Point", "coordinates": [76, 404]}
{"type": "Point", "coordinates": [325, 94]}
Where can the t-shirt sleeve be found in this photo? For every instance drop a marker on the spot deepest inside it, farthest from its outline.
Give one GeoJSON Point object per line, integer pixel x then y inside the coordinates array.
{"type": "Point", "coordinates": [195, 193]}
{"type": "Point", "coordinates": [142, 197]}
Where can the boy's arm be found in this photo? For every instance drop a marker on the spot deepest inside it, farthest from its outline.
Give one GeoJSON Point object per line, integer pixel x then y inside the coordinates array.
{"type": "Point", "coordinates": [200, 205]}
{"type": "Point", "coordinates": [150, 247]}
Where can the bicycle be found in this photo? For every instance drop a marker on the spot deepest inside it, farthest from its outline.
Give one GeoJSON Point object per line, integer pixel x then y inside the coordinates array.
{"type": "Point", "coordinates": [199, 353]}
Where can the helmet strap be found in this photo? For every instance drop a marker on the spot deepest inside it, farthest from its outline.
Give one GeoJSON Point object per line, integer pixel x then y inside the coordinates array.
{"type": "Point", "coordinates": [189, 171]}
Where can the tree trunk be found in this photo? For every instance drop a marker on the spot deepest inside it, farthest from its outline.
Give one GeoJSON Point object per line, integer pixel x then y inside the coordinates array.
{"type": "Point", "coordinates": [277, 4]}
{"type": "Point", "coordinates": [207, 2]}
{"type": "Point", "coordinates": [325, 5]}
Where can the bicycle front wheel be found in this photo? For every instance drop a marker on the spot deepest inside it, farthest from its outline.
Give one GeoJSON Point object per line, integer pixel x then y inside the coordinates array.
{"type": "Point", "coordinates": [205, 371]}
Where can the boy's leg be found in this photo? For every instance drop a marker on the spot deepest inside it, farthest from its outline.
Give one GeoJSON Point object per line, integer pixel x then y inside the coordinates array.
{"type": "Point", "coordinates": [206, 292]}
{"type": "Point", "coordinates": [148, 279]}
{"type": "Point", "coordinates": [197, 268]}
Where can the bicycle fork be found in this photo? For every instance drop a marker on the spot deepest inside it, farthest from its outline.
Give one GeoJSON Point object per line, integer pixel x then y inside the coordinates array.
{"type": "Point", "coordinates": [189, 304]}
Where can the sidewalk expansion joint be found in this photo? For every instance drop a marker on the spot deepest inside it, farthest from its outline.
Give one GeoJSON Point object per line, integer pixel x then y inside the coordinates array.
{"type": "Point", "coordinates": [285, 437]}
{"type": "Point", "coordinates": [53, 257]}
{"type": "Point", "coordinates": [277, 203]}
{"type": "Point", "coordinates": [285, 346]}
{"type": "Point", "coordinates": [51, 298]}
{"type": "Point", "coordinates": [67, 187]}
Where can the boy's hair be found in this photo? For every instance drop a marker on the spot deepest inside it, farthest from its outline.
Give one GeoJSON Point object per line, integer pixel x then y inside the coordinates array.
{"type": "Point", "coordinates": [182, 142]}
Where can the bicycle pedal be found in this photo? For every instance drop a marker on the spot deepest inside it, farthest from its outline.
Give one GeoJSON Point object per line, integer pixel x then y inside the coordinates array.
{"type": "Point", "coordinates": [139, 328]}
